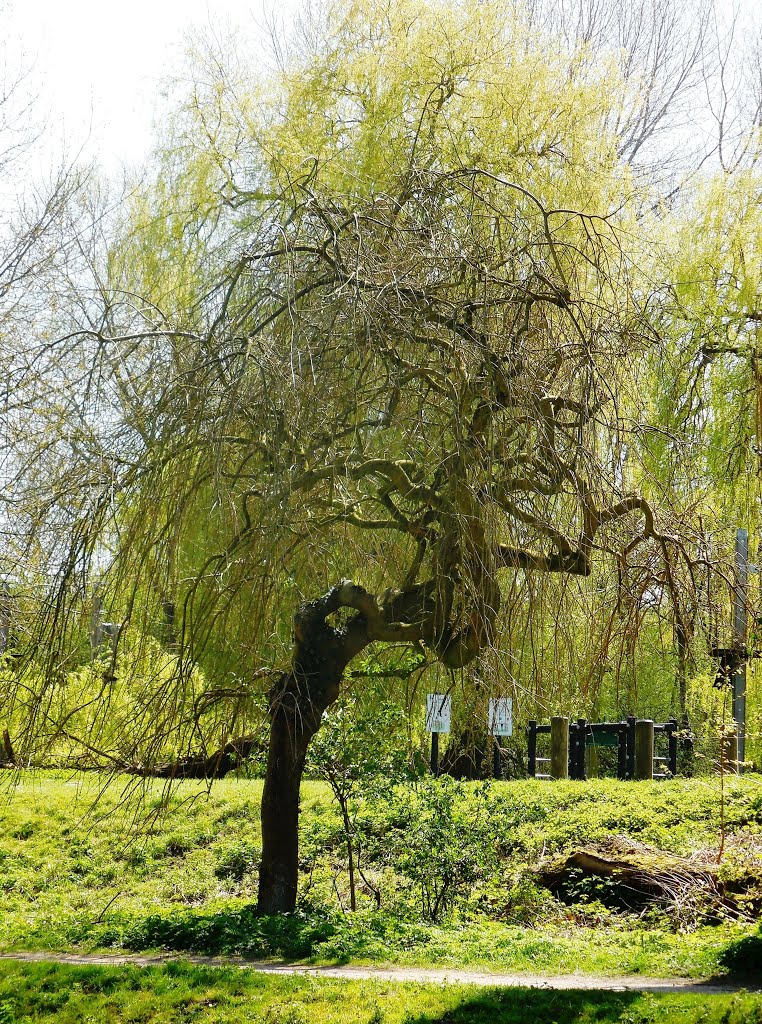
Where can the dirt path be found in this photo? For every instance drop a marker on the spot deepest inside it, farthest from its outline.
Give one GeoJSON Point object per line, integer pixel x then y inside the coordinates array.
{"type": "Point", "coordinates": [438, 976]}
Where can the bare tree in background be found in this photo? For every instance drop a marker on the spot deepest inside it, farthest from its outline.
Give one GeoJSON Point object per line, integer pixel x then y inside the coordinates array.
{"type": "Point", "coordinates": [38, 231]}
{"type": "Point", "coordinates": [693, 72]}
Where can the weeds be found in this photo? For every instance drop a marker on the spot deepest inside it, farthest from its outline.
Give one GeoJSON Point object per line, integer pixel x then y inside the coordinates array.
{"type": "Point", "coordinates": [451, 865]}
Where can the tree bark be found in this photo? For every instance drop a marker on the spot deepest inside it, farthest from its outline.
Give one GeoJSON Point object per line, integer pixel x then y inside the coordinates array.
{"type": "Point", "coordinates": [296, 706]}
{"type": "Point", "coordinates": [279, 867]}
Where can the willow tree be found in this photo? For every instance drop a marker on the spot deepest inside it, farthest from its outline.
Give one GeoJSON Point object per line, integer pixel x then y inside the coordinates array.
{"type": "Point", "coordinates": [370, 326]}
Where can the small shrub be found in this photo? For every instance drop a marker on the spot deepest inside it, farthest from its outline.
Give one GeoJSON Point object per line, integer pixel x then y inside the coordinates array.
{"type": "Point", "coordinates": [235, 862]}
{"type": "Point", "coordinates": [744, 956]}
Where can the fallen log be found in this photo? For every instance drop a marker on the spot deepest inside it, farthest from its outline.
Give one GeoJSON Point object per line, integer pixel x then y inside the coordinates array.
{"type": "Point", "coordinates": [216, 765]}
{"type": "Point", "coordinates": [633, 876]}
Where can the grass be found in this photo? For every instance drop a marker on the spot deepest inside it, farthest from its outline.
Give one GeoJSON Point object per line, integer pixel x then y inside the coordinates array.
{"type": "Point", "coordinates": [82, 867]}
{"type": "Point", "coordinates": [180, 993]}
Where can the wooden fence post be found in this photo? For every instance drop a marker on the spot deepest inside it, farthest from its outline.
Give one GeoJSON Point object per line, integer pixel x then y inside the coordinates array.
{"type": "Point", "coordinates": [559, 747]}
{"type": "Point", "coordinates": [729, 753]}
{"type": "Point", "coordinates": [644, 749]}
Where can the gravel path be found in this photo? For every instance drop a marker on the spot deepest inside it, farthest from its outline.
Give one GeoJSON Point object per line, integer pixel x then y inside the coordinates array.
{"type": "Point", "coordinates": [431, 975]}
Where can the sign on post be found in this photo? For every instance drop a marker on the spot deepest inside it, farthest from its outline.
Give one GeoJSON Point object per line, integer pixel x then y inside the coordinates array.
{"type": "Point", "coordinates": [500, 718]}
{"type": "Point", "coordinates": [438, 712]}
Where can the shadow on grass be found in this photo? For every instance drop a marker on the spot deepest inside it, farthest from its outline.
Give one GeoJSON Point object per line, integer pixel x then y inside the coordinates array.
{"type": "Point", "coordinates": [542, 1006]}
{"type": "Point", "coordinates": [527, 1006]}
{"type": "Point", "coordinates": [743, 960]}
{"type": "Point", "coordinates": [242, 931]}
{"type": "Point", "coordinates": [239, 931]}
{"type": "Point", "coordinates": [531, 1006]}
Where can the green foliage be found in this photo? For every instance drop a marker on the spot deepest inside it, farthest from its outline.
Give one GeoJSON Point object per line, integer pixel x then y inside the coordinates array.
{"type": "Point", "coordinates": [744, 956]}
{"type": "Point", "coordinates": [239, 930]}
{"type": "Point", "coordinates": [180, 874]}
{"type": "Point", "coordinates": [442, 843]}
{"type": "Point", "coordinates": [359, 747]}
{"type": "Point", "coordinates": [237, 860]}
{"type": "Point", "coordinates": [358, 752]}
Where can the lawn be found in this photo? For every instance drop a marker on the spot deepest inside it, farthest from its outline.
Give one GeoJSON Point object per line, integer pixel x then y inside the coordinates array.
{"type": "Point", "coordinates": [179, 993]}
{"type": "Point", "coordinates": [88, 866]}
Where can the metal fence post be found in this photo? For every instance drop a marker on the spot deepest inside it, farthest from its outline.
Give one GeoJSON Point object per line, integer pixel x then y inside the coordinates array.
{"type": "Point", "coordinates": [435, 754]}
{"type": "Point", "coordinates": [630, 746]}
{"type": "Point", "coordinates": [672, 752]}
{"type": "Point", "coordinates": [532, 749]}
{"type": "Point", "coordinates": [621, 753]}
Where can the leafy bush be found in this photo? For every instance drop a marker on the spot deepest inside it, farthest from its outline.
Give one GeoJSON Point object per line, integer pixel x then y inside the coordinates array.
{"type": "Point", "coordinates": [443, 842]}
{"type": "Point", "coordinates": [240, 930]}
{"type": "Point", "coordinates": [744, 956]}
{"type": "Point", "coordinates": [237, 860]}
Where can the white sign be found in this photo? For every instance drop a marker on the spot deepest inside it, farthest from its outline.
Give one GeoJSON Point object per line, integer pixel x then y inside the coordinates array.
{"type": "Point", "coordinates": [501, 716]}
{"type": "Point", "coordinates": [438, 711]}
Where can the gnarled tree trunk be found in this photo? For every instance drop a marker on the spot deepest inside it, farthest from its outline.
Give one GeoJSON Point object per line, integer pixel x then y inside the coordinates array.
{"type": "Point", "coordinates": [296, 705]}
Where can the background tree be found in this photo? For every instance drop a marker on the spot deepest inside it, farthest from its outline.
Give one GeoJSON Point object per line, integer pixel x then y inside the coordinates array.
{"type": "Point", "coordinates": [35, 242]}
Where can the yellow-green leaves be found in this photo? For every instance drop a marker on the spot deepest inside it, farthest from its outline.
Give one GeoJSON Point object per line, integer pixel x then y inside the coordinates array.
{"type": "Point", "coordinates": [396, 87]}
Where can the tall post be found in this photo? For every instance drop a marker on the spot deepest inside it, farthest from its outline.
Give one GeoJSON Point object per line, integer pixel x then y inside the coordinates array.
{"type": "Point", "coordinates": [729, 756]}
{"type": "Point", "coordinates": [621, 753]}
{"type": "Point", "coordinates": [497, 758]}
{"type": "Point", "coordinates": [581, 772]}
{"type": "Point", "coordinates": [672, 741]}
{"type": "Point", "coordinates": [5, 616]}
{"type": "Point", "coordinates": [644, 749]}
{"type": "Point", "coordinates": [740, 591]}
{"type": "Point", "coordinates": [168, 613]}
{"type": "Point", "coordinates": [96, 617]}
{"type": "Point", "coordinates": [573, 750]}
{"type": "Point", "coordinates": [559, 747]}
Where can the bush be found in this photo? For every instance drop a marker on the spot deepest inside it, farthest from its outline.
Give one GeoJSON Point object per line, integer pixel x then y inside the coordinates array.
{"type": "Point", "coordinates": [744, 956]}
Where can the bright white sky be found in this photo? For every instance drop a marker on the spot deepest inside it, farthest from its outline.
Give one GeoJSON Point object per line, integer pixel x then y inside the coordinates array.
{"type": "Point", "coordinates": [97, 65]}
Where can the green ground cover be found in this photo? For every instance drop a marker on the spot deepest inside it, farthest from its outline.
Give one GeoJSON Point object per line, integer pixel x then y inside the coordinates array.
{"type": "Point", "coordinates": [180, 993]}
{"type": "Point", "coordinates": [178, 871]}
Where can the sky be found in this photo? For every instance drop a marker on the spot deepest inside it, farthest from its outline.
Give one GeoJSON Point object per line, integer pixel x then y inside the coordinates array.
{"type": "Point", "coordinates": [96, 67]}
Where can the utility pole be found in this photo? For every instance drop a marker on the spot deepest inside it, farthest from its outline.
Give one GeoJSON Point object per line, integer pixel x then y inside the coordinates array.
{"type": "Point", "coordinates": [5, 616]}
{"type": "Point", "coordinates": [740, 617]}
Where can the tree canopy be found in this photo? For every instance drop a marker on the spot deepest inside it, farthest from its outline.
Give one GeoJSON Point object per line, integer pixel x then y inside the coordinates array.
{"type": "Point", "coordinates": [391, 332]}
